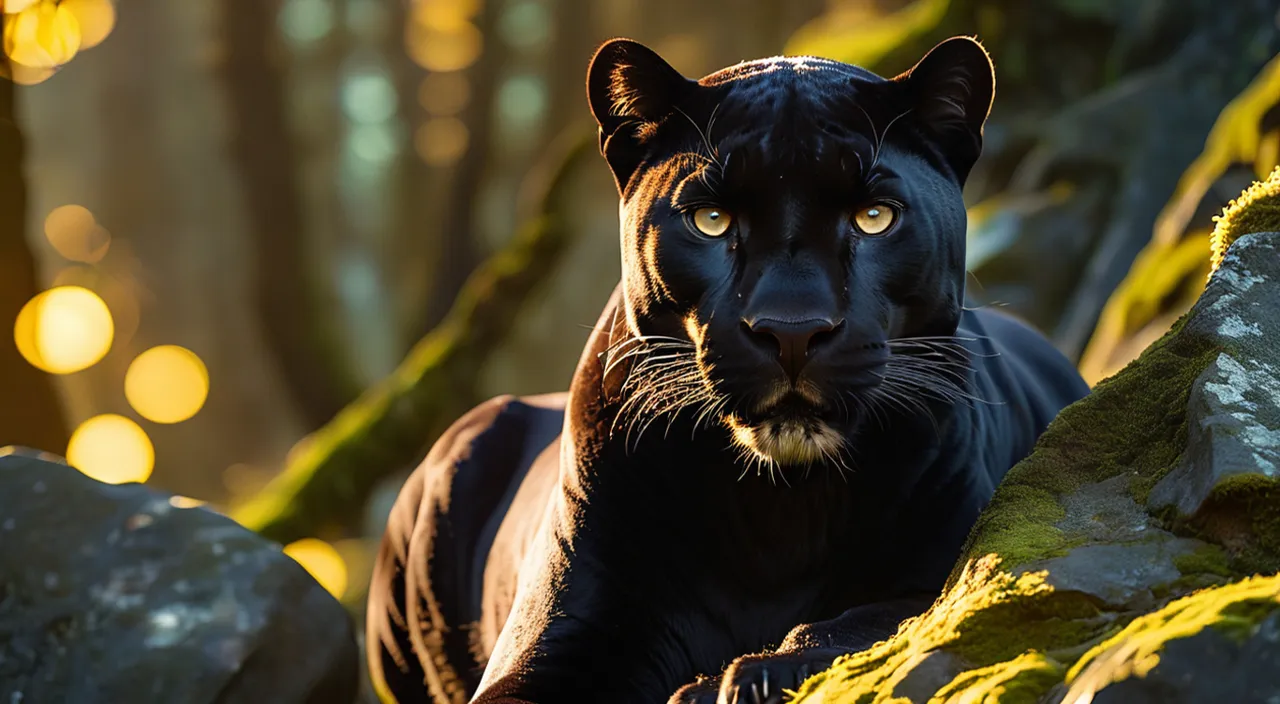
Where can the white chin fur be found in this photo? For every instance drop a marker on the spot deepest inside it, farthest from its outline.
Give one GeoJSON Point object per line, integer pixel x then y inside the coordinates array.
{"type": "Point", "coordinates": [787, 442]}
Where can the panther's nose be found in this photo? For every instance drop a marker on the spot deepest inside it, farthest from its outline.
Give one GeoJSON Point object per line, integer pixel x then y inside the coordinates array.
{"type": "Point", "coordinates": [797, 340]}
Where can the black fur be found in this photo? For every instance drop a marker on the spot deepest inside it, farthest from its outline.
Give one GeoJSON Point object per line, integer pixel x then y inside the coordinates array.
{"type": "Point", "coordinates": [613, 544]}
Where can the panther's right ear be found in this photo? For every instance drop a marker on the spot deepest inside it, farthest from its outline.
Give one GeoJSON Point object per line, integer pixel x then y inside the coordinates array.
{"type": "Point", "coordinates": [628, 87]}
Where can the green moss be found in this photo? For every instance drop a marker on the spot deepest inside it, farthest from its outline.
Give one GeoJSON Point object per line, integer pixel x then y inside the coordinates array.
{"type": "Point", "coordinates": [1242, 513]}
{"type": "Point", "coordinates": [1234, 609]}
{"type": "Point", "coordinates": [1133, 423]}
{"type": "Point", "coordinates": [1023, 680]}
{"type": "Point", "coordinates": [1207, 559]}
{"type": "Point", "coordinates": [1256, 210]}
{"type": "Point", "coordinates": [1020, 524]}
{"type": "Point", "coordinates": [1045, 621]}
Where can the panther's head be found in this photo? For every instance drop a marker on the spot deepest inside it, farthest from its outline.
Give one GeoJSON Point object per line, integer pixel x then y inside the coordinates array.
{"type": "Point", "coordinates": [786, 225]}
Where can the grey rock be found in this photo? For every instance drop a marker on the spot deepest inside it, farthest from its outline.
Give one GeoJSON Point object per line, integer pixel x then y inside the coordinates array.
{"type": "Point", "coordinates": [1105, 512]}
{"type": "Point", "coordinates": [112, 594]}
{"type": "Point", "coordinates": [1209, 666]}
{"type": "Point", "coordinates": [926, 674]}
{"type": "Point", "coordinates": [1233, 412]}
{"type": "Point", "coordinates": [1120, 575]}
{"type": "Point", "coordinates": [1123, 555]}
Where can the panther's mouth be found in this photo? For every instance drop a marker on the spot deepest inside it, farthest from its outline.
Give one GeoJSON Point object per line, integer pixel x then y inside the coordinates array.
{"type": "Point", "coordinates": [787, 429]}
{"type": "Point", "coordinates": [787, 440]}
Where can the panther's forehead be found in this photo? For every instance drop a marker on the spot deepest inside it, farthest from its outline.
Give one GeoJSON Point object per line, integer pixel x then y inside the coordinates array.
{"type": "Point", "coordinates": [781, 67]}
{"type": "Point", "coordinates": [791, 113]}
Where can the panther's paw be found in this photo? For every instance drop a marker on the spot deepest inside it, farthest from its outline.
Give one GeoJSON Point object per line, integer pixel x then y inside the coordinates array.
{"type": "Point", "coordinates": [705, 691]}
{"type": "Point", "coordinates": [765, 679]}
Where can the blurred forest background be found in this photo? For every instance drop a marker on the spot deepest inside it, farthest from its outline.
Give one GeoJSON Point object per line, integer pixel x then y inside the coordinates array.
{"type": "Point", "coordinates": [259, 253]}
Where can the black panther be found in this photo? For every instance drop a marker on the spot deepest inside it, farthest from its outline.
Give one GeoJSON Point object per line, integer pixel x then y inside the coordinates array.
{"type": "Point", "coordinates": [780, 431]}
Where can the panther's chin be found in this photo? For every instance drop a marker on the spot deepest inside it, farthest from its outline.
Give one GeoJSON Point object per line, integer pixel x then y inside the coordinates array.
{"type": "Point", "coordinates": [787, 440]}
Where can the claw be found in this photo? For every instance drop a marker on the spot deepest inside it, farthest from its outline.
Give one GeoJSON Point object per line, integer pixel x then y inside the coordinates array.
{"type": "Point", "coordinates": [765, 686]}
{"type": "Point", "coordinates": [755, 694]}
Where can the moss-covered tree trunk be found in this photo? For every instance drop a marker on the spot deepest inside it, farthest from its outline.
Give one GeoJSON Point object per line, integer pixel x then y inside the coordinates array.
{"type": "Point", "coordinates": [308, 354]}
{"type": "Point", "coordinates": [30, 413]}
{"type": "Point", "coordinates": [329, 477]}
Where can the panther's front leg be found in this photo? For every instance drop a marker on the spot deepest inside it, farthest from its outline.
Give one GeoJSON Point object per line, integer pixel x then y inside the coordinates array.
{"type": "Point", "coordinates": [766, 678]}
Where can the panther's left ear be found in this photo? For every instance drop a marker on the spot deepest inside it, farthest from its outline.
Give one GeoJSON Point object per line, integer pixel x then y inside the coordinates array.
{"type": "Point", "coordinates": [629, 87]}
{"type": "Point", "coordinates": [949, 92]}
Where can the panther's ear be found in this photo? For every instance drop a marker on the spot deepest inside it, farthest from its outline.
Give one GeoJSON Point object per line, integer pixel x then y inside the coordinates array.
{"type": "Point", "coordinates": [949, 92]}
{"type": "Point", "coordinates": [628, 87]}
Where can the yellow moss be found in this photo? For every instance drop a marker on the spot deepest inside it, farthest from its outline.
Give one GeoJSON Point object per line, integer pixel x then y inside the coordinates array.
{"type": "Point", "coordinates": [1235, 609]}
{"type": "Point", "coordinates": [1236, 138]}
{"type": "Point", "coordinates": [1256, 210]}
{"type": "Point", "coordinates": [973, 619]}
{"type": "Point", "coordinates": [1022, 680]}
{"type": "Point", "coordinates": [1168, 275]}
{"type": "Point", "coordinates": [1163, 278]}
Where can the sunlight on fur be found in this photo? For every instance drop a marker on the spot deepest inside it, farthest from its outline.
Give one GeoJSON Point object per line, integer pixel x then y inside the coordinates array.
{"type": "Point", "coordinates": [786, 442]}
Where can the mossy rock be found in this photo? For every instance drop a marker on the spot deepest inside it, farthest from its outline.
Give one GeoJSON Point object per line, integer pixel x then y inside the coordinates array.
{"type": "Point", "coordinates": [1216, 644]}
{"type": "Point", "coordinates": [1157, 488]}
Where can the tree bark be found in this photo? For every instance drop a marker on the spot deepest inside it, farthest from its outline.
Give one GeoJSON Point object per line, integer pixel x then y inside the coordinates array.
{"type": "Point", "coordinates": [330, 476]}
{"type": "Point", "coordinates": [30, 413]}
{"type": "Point", "coordinates": [306, 347]}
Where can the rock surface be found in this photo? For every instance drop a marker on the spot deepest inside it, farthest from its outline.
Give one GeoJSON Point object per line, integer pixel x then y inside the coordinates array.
{"type": "Point", "coordinates": [116, 594]}
{"type": "Point", "coordinates": [1117, 563]}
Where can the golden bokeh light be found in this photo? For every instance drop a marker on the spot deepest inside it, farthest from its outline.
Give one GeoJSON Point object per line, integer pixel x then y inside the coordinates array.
{"type": "Point", "coordinates": [15, 6]}
{"type": "Point", "coordinates": [74, 233]}
{"type": "Point", "coordinates": [444, 15]}
{"type": "Point", "coordinates": [43, 35]}
{"type": "Point", "coordinates": [323, 561]}
{"type": "Point", "coordinates": [444, 94]}
{"type": "Point", "coordinates": [444, 49]}
{"type": "Point", "coordinates": [111, 449]}
{"type": "Point", "coordinates": [26, 75]}
{"type": "Point", "coordinates": [167, 384]}
{"type": "Point", "coordinates": [96, 19]}
{"type": "Point", "coordinates": [441, 141]}
{"type": "Point", "coordinates": [64, 330]}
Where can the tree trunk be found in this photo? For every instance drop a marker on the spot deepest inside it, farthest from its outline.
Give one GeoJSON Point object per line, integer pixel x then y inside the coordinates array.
{"type": "Point", "coordinates": [457, 237]}
{"type": "Point", "coordinates": [306, 347]}
{"type": "Point", "coordinates": [30, 413]}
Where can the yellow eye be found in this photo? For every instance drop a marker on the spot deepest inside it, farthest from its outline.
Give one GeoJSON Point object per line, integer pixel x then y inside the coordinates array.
{"type": "Point", "coordinates": [875, 219]}
{"type": "Point", "coordinates": [712, 222]}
